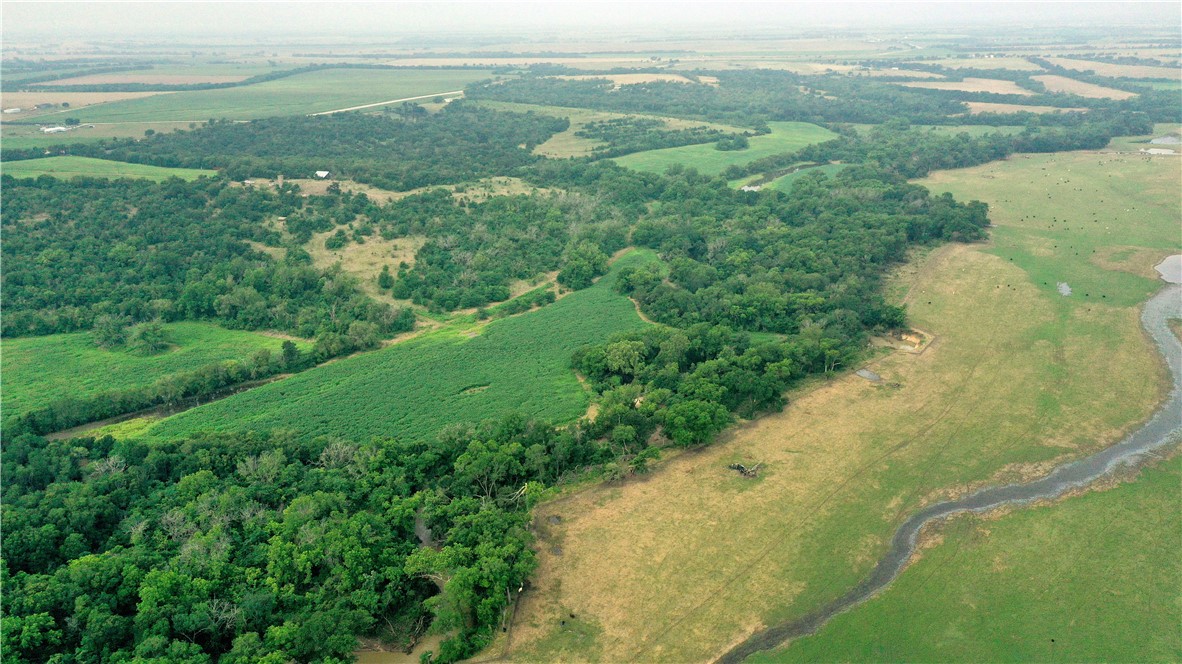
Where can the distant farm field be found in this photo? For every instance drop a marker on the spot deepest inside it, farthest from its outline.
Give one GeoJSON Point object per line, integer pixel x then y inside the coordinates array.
{"type": "Point", "coordinates": [785, 137]}
{"type": "Point", "coordinates": [991, 107]}
{"type": "Point", "coordinates": [413, 389]}
{"type": "Point", "coordinates": [181, 74]}
{"type": "Point", "coordinates": [1017, 64]}
{"type": "Point", "coordinates": [682, 564]}
{"type": "Point", "coordinates": [40, 370]}
{"type": "Point", "coordinates": [993, 85]}
{"type": "Point", "coordinates": [23, 136]}
{"type": "Point", "coordinates": [1072, 86]}
{"type": "Point", "coordinates": [1030, 571]}
{"type": "Point", "coordinates": [72, 167]}
{"type": "Point", "coordinates": [313, 92]}
{"type": "Point", "coordinates": [568, 144]}
{"type": "Point", "coordinates": [55, 112]}
{"type": "Point", "coordinates": [1118, 71]}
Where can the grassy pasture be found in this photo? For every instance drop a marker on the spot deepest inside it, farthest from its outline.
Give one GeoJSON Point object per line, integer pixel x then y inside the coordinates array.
{"type": "Point", "coordinates": [1090, 90]}
{"type": "Point", "coordinates": [784, 137]}
{"type": "Point", "coordinates": [312, 92]}
{"type": "Point", "coordinates": [1114, 552]}
{"type": "Point", "coordinates": [457, 374]}
{"type": "Point", "coordinates": [19, 137]}
{"type": "Point", "coordinates": [40, 370]}
{"type": "Point", "coordinates": [72, 167]}
{"type": "Point", "coordinates": [567, 144]}
{"type": "Point", "coordinates": [685, 562]}
{"type": "Point", "coordinates": [974, 85]}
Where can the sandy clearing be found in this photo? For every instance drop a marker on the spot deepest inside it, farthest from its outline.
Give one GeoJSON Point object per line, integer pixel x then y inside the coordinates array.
{"type": "Point", "coordinates": [993, 85]}
{"type": "Point", "coordinates": [1072, 86]}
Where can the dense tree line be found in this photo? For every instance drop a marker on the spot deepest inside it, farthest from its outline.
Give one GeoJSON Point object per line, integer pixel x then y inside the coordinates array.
{"type": "Point", "coordinates": [76, 250]}
{"type": "Point", "coordinates": [460, 143]}
{"type": "Point", "coordinates": [622, 136]}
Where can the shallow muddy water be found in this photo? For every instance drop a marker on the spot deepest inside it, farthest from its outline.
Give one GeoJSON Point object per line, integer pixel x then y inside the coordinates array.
{"type": "Point", "coordinates": [1164, 428]}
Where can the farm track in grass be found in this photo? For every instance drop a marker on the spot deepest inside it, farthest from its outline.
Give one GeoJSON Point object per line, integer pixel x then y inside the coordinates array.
{"type": "Point", "coordinates": [40, 370]}
{"type": "Point", "coordinates": [785, 137]}
{"type": "Point", "coordinates": [73, 167]}
{"type": "Point", "coordinates": [687, 562]}
{"type": "Point", "coordinates": [456, 374]}
{"type": "Point", "coordinates": [312, 92]}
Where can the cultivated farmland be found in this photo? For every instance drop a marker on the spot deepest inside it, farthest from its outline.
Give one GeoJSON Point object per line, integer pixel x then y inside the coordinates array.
{"type": "Point", "coordinates": [312, 92]}
{"type": "Point", "coordinates": [73, 167]}
{"type": "Point", "coordinates": [41, 370]}
{"type": "Point", "coordinates": [458, 374]}
{"type": "Point", "coordinates": [993, 85]}
{"type": "Point", "coordinates": [1072, 86]}
{"type": "Point", "coordinates": [785, 137]}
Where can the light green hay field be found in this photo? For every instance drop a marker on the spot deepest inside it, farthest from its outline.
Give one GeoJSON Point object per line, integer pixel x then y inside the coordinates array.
{"type": "Point", "coordinates": [304, 93]}
{"type": "Point", "coordinates": [72, 167]}
{"type": "Point", "coordinates": [785, 137]}
{"type": "Point", "coordinates": [39, 370]}
{"type": "Point", "coordinates": [20, 137]}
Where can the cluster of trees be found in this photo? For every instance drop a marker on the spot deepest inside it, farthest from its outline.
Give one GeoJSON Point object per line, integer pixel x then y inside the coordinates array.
{"type": "Point", "coordinates": [80, 249]}
{"type": "Point", "coordinates": [270, 548]}
{"type": "Point", "coordinates": [634, 134]}
{"type": "Point", "coordinates": [460, 143]}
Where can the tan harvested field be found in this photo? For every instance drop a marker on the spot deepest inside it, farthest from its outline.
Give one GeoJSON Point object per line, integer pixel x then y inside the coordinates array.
{"type": "Point", "coordinates": [27, 100]}
{"type": "Point", "coordinates": [1072, 86]}
{"type": "Point", "coordinates": [683, 563]}
{"type": "Point", "coordinates": [975, 85]}
{"type": "Point", "coordinates": [150, 79]}
{"type": "Point", "coordinates": [1118, 71]}
{"type": "Point", "coordinates": [991, 107]}
{"type": "Point", "coordinates": [630, 79]}
{"type": "Point", "coordinates": [1017, 64]}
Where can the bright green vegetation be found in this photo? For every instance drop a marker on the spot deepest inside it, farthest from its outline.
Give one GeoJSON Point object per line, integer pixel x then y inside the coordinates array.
{"type": "Point", "coordinates": [20, 137]}
{"type": "Point", "coordinates": [73, 167]}
{"type": "Point", "coordinates": [414, 389]}
{"type": "Point", "coordinates": [312, 92]}
{"type": "Point", "coordinates": [784, 137]}
{"type": "Point", "coordinates": [784, 183]}
{"type": "Point", "coordinates": [40, 370]}
{"type": "Point", "coordinates": [1000, 590]}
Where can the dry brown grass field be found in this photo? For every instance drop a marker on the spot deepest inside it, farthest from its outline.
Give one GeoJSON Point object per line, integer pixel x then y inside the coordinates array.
{"type": "Point", "coordinates": [680, 564]}
{"type": "Point", "coordinates": [1015, 63]}
{"type": "Point", "coordinates": [1090, 90]}
{"type": "Point", "coordinates": [992, 107]}
{"type": "Point", "coordinates": [975, 85]}
{"type": "Point", "coordinates": [1118, 71]}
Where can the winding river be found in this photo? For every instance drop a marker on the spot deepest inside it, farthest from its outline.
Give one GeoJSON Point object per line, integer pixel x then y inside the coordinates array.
{"type": "Point", "coordinates": [1162, 429]}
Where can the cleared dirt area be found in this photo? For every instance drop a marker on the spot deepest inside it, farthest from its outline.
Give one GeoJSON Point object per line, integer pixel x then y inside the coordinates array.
{"type": "Point", "coordinates": [1118, 71]}
{"type": "Point", "coordinates": [1072, 86]}
{"type": "Point", "coordinates": [150, 79]}
{"type": "Point", "coordinates": [993, 85]}
{"type": "Point", "coordinates": [991, 107]}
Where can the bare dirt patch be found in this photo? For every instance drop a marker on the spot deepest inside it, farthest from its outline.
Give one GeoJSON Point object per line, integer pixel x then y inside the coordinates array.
{"type": "Point", "coordinates": [1090, 90]}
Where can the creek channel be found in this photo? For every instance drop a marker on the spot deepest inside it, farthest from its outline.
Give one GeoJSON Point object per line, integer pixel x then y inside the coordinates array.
{"type": "Point", "coordinates": [1159, 431]}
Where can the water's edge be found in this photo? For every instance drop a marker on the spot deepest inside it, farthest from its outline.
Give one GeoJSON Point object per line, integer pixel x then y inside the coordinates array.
{"type": "Point", "coordinates": [1160, 430]}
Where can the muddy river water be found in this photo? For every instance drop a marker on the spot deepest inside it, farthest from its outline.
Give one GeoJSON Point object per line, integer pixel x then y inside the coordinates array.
{"type": "Point", "coordinates": [1164, 428]}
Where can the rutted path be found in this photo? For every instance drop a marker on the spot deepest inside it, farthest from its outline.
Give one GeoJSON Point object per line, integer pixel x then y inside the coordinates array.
{"type": "Point", "coordinates": [1163, 428]}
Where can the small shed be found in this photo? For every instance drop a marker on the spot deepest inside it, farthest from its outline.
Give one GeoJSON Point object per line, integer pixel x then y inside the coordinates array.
{"type": "Point", "coordinates": [322, 174]}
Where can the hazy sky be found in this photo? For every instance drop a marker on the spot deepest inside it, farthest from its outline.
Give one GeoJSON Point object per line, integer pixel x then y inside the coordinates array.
{"type": "Point", "coordinates": [147, 20]}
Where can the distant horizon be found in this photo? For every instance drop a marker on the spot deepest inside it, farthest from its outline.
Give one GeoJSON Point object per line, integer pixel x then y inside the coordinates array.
{"type": "Point", "coordinates": [321, 22]}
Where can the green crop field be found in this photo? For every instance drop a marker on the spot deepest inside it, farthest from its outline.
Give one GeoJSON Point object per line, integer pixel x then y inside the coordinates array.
{"type": "Point", "coordinates": [415, 388]}
{"type": "Point", "coordinates": [312, 92]}
{"type": "Point", "coordinates": [784, 183]}
{"type": "Point", "coordinates": [1013, 589]}
{"type": "Point", "coordinates": [40, 370]}
{"type": "Point", "coordinates": [72, 167]}
{"type": "Point", "coordinates": [20, 137]}
{"type": "Point", "coordinates": [785, 137]}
